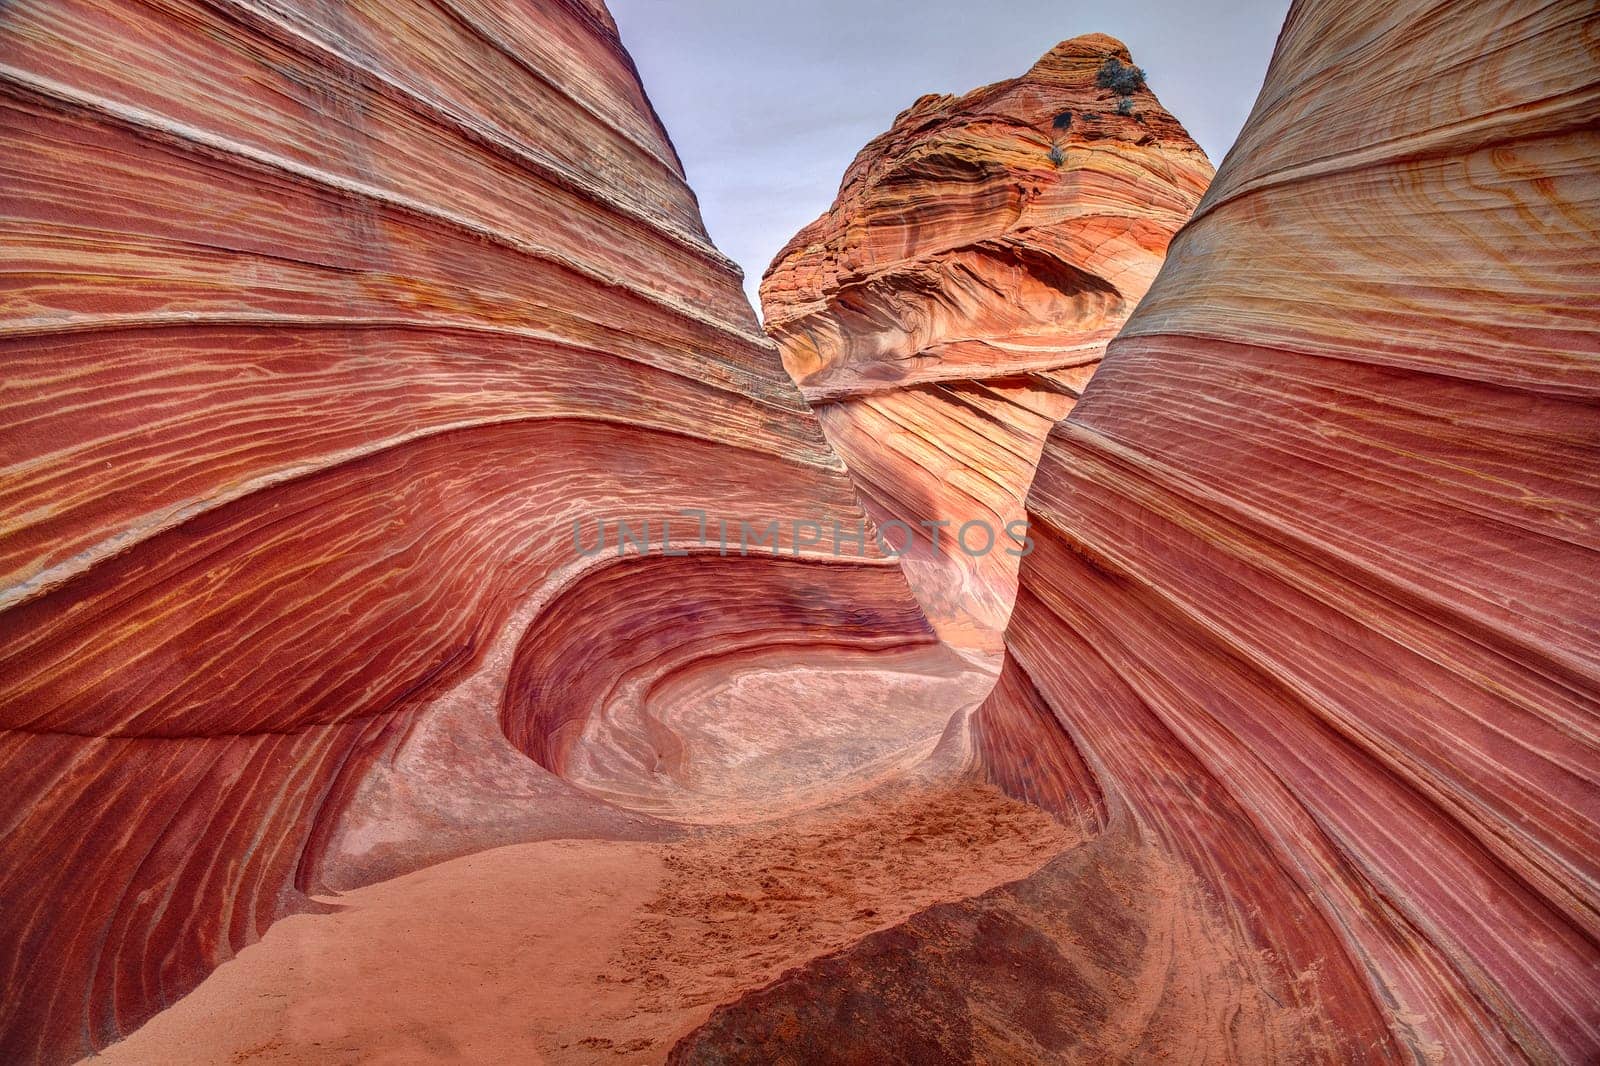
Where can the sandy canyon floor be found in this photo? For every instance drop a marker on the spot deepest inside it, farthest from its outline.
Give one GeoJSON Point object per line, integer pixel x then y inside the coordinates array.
{"type": "Point", "coordinates": [582, 951]}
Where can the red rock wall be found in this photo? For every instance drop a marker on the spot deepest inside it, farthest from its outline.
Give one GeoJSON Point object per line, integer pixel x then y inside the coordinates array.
{"type": "Point", "coordinates": [629, 622]}
{"type": "Point", "coordinates": [1316, 601]}
{"type": "Point", "coordinates": [322, 323]}
{"type": "Point", "coordinates": [951, 304]}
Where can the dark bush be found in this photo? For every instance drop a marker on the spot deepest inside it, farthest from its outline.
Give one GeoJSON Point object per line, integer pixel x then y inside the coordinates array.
{"type": "Point", "coordinates": [1122, 80]}
{"type": "Point", "coordinates": [1063, 120]}
{"type": "Point", "coordinates": [1125, 106]}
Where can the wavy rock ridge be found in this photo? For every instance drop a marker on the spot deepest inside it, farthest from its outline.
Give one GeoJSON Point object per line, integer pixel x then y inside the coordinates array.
{"type": "Point", "coordinates": [322, 325]}
{"type": "Point", "coordinates": [951, 304]}
{"type": "Point", "coordinates": [1314, 619]}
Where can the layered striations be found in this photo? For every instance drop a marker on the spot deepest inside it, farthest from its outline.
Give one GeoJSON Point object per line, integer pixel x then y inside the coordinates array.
{"type": "Point", "coordinates": [951, 304]}
{"type": "Point", "coordinates": [322, 325]}
{"type": "Point", "coordinates": [1314, 619]}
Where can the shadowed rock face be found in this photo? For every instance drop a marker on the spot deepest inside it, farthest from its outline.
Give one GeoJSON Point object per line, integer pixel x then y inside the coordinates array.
{"type": "Point", "coordinates": [950, 306]}
{"type": "Point", "coordinates": [1315, 611]}
{"type": "Point", "coordinates": [323, 324]}
{"type": "Point", "coordinates": [1108, 954]}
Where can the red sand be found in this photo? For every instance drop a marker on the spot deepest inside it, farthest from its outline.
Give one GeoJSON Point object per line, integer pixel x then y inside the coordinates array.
{"type": "Point", "coordinates": [580, 951]}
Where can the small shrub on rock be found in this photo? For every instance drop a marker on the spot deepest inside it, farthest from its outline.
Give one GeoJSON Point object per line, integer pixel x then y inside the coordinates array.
{"type": "Point", "coordinates": [1120, 79]}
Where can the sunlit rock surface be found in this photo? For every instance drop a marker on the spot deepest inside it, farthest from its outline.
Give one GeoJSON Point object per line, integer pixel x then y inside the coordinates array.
{"type": "Point", "coordinates": [953, 301]}
{"type": "Point", "coordinates": [322, 325]}
{"type": "Point", "coordinates": [1314, 620]}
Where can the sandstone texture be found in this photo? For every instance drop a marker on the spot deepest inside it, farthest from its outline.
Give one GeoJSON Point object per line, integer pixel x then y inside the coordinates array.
{"type": "Point", "coordinates": [322, 325]}
{"type": "Point", "coordinates": [951, 304]}
{"type": "Point", "coordinates": [333, 336]}
{"type": "Point", "coordinates": [1313, 624]}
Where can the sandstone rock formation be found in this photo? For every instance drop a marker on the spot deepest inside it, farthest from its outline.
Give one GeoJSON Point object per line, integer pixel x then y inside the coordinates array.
{"type": "Point", "coordinates": [322, 326]}
{"type": "Point", "coordinates": [1314, 618]}
{"type": "Point", "coordinates": [953, 301]}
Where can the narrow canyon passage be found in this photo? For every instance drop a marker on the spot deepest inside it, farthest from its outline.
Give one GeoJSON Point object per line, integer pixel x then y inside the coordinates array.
{"type": "Point", "coordinates": [1262, 728]}
{"type": "Point", "coordinates": [592, 951]}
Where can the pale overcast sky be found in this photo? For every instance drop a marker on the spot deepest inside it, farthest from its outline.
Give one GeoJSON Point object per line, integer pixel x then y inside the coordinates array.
{"type": "Point", "coordinates": [768, 101]}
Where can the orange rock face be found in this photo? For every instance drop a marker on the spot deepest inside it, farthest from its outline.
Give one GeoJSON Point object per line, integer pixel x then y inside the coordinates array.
{"type": "Point", "coordinates": [334, 334]}
{"type": "Point", "coordinates": [322, 326]}
{"type": "Point", "coordinates": [1308, 649]}
{"type": "Point", "coordinates": [950, 306]}
{"type": "Point", "coordinates": [1315, 608]}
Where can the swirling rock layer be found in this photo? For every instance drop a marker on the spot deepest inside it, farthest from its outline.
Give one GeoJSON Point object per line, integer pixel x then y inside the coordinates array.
{"type": "Point", "coordinates": [793, 682]}
{"type": "Point", "coordinates": [1314, 618]}
{"type": "Point", "coordinates": [951, 304]}
{"type": "Point", "coordinates": [322, 326]}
